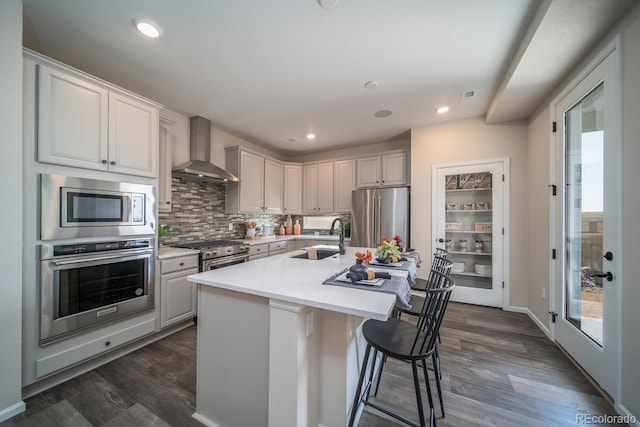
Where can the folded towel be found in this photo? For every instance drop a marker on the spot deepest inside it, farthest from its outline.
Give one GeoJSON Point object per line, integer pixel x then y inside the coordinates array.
{"type": "Point", "coordinates": [395, 285]}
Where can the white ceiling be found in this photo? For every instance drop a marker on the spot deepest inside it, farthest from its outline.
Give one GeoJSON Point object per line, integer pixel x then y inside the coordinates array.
{"type": "Point", "coordinates": [271, 70]}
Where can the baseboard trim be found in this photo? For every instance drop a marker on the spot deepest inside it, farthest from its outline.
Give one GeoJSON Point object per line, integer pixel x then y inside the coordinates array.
{"type": "Point", "coordinates": [515, 309]}
{"type": "Point", "coordinates": [12, 411]}
{"type": "Point", "coordinates": [629, 418]}
{"type": "Point", "coordinates": [541, 325]}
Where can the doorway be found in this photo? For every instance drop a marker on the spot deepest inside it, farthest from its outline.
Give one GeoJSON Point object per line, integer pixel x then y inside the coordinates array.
{"type": "Point", "coordinates": [585, 220]}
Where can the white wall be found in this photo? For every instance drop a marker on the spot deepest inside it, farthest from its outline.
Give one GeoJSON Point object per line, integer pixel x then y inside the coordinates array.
{"type": "Point", "coordinates": [11, 208]}
{"type": "Point", "coordinates": [465, 141]}
{"type": "Point", "coordinates": [627, 280]}
{"type": "Point", "coordinates": [538, 200]}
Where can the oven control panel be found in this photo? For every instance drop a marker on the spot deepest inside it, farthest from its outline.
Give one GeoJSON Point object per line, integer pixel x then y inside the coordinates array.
{"type": "Point", "coordinates": [85, 248]}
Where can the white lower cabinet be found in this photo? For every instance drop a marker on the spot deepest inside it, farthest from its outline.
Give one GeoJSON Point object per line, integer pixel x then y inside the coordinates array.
{"type": "Point", "coordinates": [178, 297]}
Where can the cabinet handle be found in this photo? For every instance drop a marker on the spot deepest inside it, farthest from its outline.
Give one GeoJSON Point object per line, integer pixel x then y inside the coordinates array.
{"type": "Point", "coordinates": [181, 264]}
{"type": "Point", "coordinates": [108, 343]}
{"type": "Point", "coordinates": [168, 203]}
{"type": "Point", "coordinates": [104, 162]}
{"type": "Point", "coordinates": [113, 163]}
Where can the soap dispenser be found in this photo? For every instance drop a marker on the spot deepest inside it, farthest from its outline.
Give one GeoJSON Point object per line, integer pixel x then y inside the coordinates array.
{"type": "Point", "coordinates": [296, 227]}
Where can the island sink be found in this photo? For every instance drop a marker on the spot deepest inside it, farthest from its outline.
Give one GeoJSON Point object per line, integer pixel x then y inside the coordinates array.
{"type": "Point", "coordinates": [321, 252]}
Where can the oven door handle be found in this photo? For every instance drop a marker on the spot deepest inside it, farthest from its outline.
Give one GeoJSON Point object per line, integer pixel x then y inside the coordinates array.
{"type": "Point", "coordinates": [121, 256]}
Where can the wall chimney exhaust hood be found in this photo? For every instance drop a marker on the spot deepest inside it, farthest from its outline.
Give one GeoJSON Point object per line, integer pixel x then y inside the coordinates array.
{"type": "Point", "coordinates": [199, 167]}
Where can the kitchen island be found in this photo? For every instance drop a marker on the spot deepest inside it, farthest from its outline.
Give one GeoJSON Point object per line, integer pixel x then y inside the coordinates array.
{"type": "Point", "coordinates": [278, 348]}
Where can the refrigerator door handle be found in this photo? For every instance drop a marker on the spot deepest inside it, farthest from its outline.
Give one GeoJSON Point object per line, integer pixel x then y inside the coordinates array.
{"type": "Point", "coordinates": [378, 223]}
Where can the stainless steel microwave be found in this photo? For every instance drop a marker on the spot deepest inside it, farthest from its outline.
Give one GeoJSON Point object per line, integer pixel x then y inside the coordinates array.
{"type": "Point", "coordinates": [80, 207]}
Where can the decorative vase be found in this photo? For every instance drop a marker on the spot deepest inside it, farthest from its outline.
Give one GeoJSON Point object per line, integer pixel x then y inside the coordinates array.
{"type": "Point", "coordinates": [357, 267]}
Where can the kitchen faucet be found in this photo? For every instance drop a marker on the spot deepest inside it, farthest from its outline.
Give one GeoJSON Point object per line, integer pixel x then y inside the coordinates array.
{"type": "Point", "coordinates": [341, 245]}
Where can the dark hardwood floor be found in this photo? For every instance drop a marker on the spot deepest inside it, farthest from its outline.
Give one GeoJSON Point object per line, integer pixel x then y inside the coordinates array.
{"type": "Point", "coordinates": [498, 370]}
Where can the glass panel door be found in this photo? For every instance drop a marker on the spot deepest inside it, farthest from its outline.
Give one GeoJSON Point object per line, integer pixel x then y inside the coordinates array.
{"type": "Point", "coordinates": [584, 198]}
{"type": "Point", "coordinates": [585, 222]}
{"type": "Point", "coordinates": [469, 225]}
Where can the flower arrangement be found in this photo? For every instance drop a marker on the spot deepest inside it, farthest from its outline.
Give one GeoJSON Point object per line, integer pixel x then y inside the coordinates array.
{"type": "Point", "coordinates": [364, 257]}
{"type": "Point", "coordinates": [387, 249]}
{"type": "Point", "coordinates": [397, 239]}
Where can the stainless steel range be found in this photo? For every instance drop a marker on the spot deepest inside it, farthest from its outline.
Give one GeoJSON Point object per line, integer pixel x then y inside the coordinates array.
{"type": "Point", "coordinates": [219, 253]}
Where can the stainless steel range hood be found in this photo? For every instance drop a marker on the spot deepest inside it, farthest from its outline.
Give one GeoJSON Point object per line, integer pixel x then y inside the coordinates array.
{"type": "Point", "coordinates": [199, 167]}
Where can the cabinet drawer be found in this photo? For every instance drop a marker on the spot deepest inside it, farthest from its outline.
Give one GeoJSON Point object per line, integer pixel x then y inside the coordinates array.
{"type": "Point", "coordinates": [178, 263]}
{"type": "Point", "coordinates": [277, 246]}
{"type": "Point", "coordinates": [258, 256]}
{"type": "Point", "coordinates": [277, 252]}
{"type": "Point", "coordinates": [66, 358]}
{"type": "Point", "coordinates": [259, 249]}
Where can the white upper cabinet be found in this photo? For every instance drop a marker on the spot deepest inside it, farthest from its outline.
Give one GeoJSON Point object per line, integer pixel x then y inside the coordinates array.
{"type": "Point", "coordinates": [133, 136]}
{"type": "Point", "coordinates": [82, 123]}
{"type": "Point", "coordinates": [164, 169]}
{"type": "Point", "coordinates": [380, 171]}
{"type": "Point", "coordinates": [292, 188]}
{"type": "Point", "coordinates": [317, 187]}
{"type": "Point", "coordinates": [260, 189]}
{"type": "Point", "coordinates": [345, 183]}
{"type": "Point", "coordinates": [273, 186]}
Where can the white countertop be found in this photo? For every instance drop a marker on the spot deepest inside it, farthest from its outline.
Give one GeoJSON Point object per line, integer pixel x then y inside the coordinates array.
{"type": "Point", "coordinates": [300, 281]}
{"type": "Point", "coordinates": [170, 252]}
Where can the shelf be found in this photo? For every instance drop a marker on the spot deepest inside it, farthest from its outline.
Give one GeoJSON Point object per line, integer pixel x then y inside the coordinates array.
{"type": "Point", "coordinates": [467, 190]}
{"type": "Point", "coordinates": [468, 210]}
{"type": "Point", "coordinates": [471, 275]}
{"type": "Point", "coordinates": [468, 231]}
{"type": "Point", "coordinates": [471, 253]}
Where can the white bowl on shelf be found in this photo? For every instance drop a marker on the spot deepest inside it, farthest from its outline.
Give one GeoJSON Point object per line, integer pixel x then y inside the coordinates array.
{"type": "Point", "coordinates": [458, 267]}
{"type": "Point", "coordinates": [482, 269]}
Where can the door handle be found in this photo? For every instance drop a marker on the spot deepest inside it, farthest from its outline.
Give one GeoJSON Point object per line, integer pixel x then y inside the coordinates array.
{"type": "Point", "coordinates": [441, 240]}
{"type": "Point", "coordinates": [606, 275]}
{"type": "Point", "coordinates": [608, 256]}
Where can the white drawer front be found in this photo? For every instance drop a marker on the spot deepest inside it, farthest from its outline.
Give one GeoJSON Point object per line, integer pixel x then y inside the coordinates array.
{"type": "Point", "coordinates": [179, 263]}
{"type": "Point", "coordinates": [66, 358]}
{"type": "Point", "coordinates": [259, 249]}
{"type": "Point", "coordinates": [276, 246]}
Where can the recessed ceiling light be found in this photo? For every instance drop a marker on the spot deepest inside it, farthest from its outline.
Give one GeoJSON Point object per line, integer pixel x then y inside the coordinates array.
{"type": "Point", "coordinates": [311, 136]}
{"type": "Point", "coordinates": [443, 109]}
{"type": "Point", "coordinates": [383, 113]}
{"type": "Point", "coordinates": [147, 27]}
{"type": "Point", "coordinates": [328, 4]}
{"type": "Point", "coordinates": [371, 85]}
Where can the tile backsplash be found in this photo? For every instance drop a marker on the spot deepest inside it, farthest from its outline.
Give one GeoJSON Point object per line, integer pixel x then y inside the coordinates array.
{"type": "Point", "coordinates": [197, 213]}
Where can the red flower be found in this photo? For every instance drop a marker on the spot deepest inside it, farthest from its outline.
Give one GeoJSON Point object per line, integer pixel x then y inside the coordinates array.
{"type": "Point", "coordinates": [397, 238]}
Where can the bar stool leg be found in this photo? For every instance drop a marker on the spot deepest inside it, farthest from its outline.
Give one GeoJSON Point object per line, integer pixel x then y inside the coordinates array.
{"type": "Point", "coordinates": [432, 411]}
{"type": "Point", "coordinates": [416, 383]}
{"type": "Point", "coordinates": [437, 376]}
{"type": "Point", "coordinates": [356, 399]}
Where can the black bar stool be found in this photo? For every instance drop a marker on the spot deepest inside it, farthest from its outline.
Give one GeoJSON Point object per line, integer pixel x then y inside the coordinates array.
{"type": "Point", "coordinates": [405, 341]}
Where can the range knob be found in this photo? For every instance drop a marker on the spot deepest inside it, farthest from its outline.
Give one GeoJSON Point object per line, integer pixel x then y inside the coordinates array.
{"type": "Point", "coordinates": [209, 252]}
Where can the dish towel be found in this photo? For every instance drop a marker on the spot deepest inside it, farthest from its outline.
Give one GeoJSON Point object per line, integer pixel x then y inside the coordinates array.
{"type": "Point", "coordinates": [416, 257]}
{"type": "Point", "coordinates": [396, 285]}
{"type": "Point", "coordinates": [408, 266]}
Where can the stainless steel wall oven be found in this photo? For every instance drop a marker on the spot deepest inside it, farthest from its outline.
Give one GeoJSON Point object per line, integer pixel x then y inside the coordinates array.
{"type": "Point", "coordinates": [86, 284]}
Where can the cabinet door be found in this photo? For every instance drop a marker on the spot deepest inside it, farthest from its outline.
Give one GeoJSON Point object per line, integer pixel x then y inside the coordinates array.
{"type": "Point", "coordinates": [468, 213]}
{"type": "Point", "coordinates": [325, 188]}
{"type": "Point", "coordinates": [394, 169]}
{"type": "Point", "coordinates": [292, 189]}
{"type": "Point", "coordinates": [164, 170]}
{"type": "Point", "coordinates": [273, 186]}
{"type": "Point", "coordinates": [368, 172]}
{"type": "Point", "coordinates": [72, 120]}
{"type": "Point", "coordinates": [178, 298]}
{"type": "Point", "coordinates": [133, 136]}
{"type": "Point", "coordinates": [345, 183]}
{"type": "Point", "coordinates": [309, 188]}
{"type": "Point", "coordinates": [251, 182]}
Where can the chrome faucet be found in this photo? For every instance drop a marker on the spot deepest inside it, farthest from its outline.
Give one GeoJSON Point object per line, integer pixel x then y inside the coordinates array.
{"type": "Point", "coordinates": [341, 245]}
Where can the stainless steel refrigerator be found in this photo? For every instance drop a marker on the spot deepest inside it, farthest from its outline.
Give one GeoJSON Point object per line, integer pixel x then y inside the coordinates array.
{"type": "Point", "coordinates": [377, 213]}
